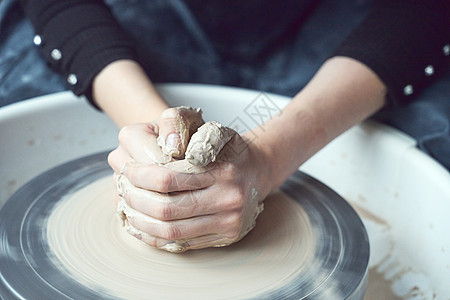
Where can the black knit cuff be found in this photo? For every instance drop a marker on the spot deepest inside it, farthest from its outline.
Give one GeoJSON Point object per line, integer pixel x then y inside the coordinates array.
{"type": "Point", "coordinates": [407, 44]}
{"type": "Point", "coordinates": [78, 38]}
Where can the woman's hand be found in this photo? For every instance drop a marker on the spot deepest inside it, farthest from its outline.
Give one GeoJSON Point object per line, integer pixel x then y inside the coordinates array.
{"type": "Point", "coordinates": [188, 204]}
{"type": "Point", "coordinates": [218, 206]}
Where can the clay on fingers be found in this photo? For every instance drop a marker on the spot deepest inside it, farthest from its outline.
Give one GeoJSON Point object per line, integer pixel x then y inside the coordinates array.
{"type": "Point", "coordinates": [182, 121]}
{"type": "Point", "coordinates": [207, 142]}
{"type": "Point", "coordinates": [201, 144]}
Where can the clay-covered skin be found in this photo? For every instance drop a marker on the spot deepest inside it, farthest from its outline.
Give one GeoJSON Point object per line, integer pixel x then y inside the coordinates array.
{"type": "Point", "coordinates": [186, 120]}
{"type": "Point", "coordinates": [202, 148]}
{"type": "Point", "coordinates": [125, 213]}
{"type": "Point", "coordinates": [206, 144]}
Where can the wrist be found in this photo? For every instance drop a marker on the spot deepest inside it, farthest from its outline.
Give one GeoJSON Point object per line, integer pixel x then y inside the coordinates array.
{"type": "Point", "coordinates": [343, 93]}
{"type": "Point", "coordinates": [262, 166]}
{"type": "Point", "coordinates": [124, 92]}
{"type": "Point", "coordinates": [287, 141]}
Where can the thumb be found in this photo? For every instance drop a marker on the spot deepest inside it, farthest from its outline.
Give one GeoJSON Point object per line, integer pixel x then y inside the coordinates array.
{"type": "Point", "coordinates": [207, 142]}
{"type": "Point", "coordinates": [176, 126]}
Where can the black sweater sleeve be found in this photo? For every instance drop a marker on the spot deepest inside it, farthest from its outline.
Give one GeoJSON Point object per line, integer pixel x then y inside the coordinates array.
{"type": "Point", "coordinates": [78, 38]}
{"type": "Point", "coordinates": [406, 43]}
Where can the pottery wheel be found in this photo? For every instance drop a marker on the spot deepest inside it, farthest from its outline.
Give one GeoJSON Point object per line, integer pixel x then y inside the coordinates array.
{"type": "Point", "coordinates": [34, 264]}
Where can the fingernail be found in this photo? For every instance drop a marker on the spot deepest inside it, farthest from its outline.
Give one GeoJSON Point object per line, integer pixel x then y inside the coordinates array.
{"type": "Point", "coordinates": [173, 140]}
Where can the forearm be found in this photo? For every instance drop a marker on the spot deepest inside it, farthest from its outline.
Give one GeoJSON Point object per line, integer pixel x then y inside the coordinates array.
{"type": "Point", "coordinates": [343, 93]}
{"type": "Point", "coordinates": [124, 92]}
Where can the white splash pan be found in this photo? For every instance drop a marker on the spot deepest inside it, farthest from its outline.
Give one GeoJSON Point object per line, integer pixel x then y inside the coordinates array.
{"type": "Point", "coordinates": [403, 196]}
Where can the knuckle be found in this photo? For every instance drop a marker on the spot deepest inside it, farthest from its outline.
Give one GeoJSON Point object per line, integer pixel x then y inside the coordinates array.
{"type": "Point", "coordinates": [113, 160]}
{"type": "Point", "coordinates": [229, 170]}
{"type": "Point", "coordinates": [236, 217]}
{"type": "Point", "coordinates": [128, 199]}
{"type": "Point", "coordinates": [163, 183]}
{"type": "Point", "coordinates": [234, 234]}
{"type": "Point", "coordinates": [131, 199]}
{"type": "Point", "coordinates": [236, 198]}
{"type": "Point", "coordinates": [233, 224]}
{"type": "Point", "coordinates": [172, 232]}
{"type": "Point", "coordinates": [134, 175]}
{"type": "Point", "coordinates": [124, 133]}
{"type": "Point", "coordinates": [164, 212]}
{"type": "Point", "coordinates": [111, 157]}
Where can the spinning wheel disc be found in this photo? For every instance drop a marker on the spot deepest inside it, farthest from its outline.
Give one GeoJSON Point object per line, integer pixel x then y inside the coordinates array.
{"type": "Point", "coordinates": [29, 267]}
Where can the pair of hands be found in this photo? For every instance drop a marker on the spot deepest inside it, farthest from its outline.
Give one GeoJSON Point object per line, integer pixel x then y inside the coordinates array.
{"type": "Point", "coordinates": [179, 211]}
{"type": "Point", "coordinates": [184, 184]}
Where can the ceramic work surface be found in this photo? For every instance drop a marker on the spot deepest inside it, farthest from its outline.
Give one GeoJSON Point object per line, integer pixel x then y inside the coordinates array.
{"type": "Point", "coordinates": [337, 270]}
